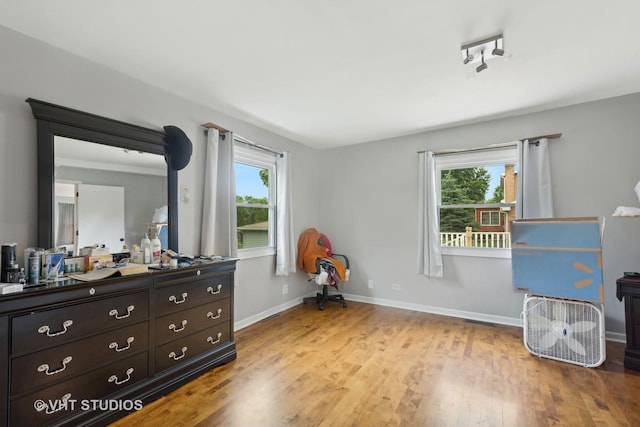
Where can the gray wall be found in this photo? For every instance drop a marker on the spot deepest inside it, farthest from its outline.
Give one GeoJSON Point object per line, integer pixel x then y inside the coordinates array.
{"type": "Point", "coordinates": [33, 69]}
{"type": "Point", "coordinates": [363, 196]}
{"type": "Point", "coordinates": [373, 209]}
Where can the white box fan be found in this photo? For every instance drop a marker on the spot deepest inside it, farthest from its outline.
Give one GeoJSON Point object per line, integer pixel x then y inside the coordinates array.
{"type": "Point", "coordinates": [566, 330]}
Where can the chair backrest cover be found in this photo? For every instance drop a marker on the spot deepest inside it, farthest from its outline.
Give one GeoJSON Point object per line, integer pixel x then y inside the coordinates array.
{"type": "Point", "coordinates": [326, 243]}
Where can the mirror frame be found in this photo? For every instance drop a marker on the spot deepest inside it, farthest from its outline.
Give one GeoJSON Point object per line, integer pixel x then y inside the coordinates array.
{"type": "Point", "coordinates": [55, 120]}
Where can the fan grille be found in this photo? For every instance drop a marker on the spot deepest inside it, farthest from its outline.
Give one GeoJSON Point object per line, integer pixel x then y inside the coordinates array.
{"type": "Point", "coordinates": [565, 330]}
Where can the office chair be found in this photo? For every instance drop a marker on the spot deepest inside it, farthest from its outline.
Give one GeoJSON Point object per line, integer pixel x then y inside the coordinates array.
{"type": "Point", "coordinates": [317, 259]}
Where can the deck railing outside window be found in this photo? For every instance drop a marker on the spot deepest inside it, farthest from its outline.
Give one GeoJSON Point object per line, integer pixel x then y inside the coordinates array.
{"type": "Point", "coordinates": [476, 239]}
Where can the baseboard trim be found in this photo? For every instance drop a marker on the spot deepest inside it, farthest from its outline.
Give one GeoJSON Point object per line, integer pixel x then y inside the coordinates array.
{"type": "Point", "coordinates": [264, 314]}
{"type": "Point", "coordinates": [616, 337]}
{"type": "Point", "coordinates": [482, 317]}
{"type": "Point", "coordinates": [488, 318]}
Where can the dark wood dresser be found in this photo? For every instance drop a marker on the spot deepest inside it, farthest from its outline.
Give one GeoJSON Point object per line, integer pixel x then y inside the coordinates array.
{"type": "Point", "coordinates": [629, 290]}
{"type": "Point", "coordinates": [88, 353]}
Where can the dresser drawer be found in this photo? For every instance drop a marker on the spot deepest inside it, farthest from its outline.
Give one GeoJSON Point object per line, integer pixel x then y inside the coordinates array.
{"type": "Point", "coordinates": [185, 322]}
{"type": "Point", "coordinates": [192, 291]}
{"type": "Point", "coordinates": [44, 406]}
{"type": "Point", "coordinates": [58, 363]}
{"type": "Point", "coordinates": [49, 328]}
{"type": "Point", "coordinates": [176, 352]}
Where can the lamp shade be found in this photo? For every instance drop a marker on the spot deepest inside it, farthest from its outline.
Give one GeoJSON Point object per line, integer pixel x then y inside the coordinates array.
{"type": "Point", "coordinates": [179, 148]}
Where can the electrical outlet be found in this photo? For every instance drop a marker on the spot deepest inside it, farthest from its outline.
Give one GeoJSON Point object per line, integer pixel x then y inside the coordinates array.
{"type": "Point", "coordinates": [285, 289]}
{"type": "Point", "coordinates": [395, 286]}
{"type": "Point", "coordinates": [370, 284]}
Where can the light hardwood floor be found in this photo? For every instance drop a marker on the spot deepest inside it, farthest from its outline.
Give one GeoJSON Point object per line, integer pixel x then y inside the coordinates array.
{"type": "Point", "coordinates": [369, 365]}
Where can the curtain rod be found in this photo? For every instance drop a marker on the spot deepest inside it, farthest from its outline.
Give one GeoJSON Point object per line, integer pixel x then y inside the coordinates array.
{"type": "Point", "coordinates": [245, 141]}
{"type": "Point", "coordinates": [238, 138]}
{"type": "Point", "coordinates": [533, 140]}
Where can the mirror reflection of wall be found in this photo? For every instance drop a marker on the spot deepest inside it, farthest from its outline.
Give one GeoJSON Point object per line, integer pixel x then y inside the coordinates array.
{"type": "Point", "coordinates": [65, 215]}
{"type": "Point", "coordinates": [142, 175]}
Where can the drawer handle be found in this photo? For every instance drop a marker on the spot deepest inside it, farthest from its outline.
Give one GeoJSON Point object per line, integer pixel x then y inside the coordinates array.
{"type": "Point", "coordinates": [174, 328]}
{"type": "Point", "coordinates": [211, 341]}
{"type": "Point", "coordinates": [45, 367]}
{"type": "Point", "coordinates": [212, 292]}
{"type": "Point", "coordinates": [52, 406]}
{"type": "Point", "coordinates": [114, 345]}
{"type": "Point", "coordinates": [115, 314]}
{"type": "Point", "coordinates": [173, 299]}
{"type": "Point", "coordinates": [47, 330]}
{"type": "Point", "coordinates": [114, 378]}
{"type": "Point", "coordinates": [174, 356]}
{"type": "Point", "coordinates": [211, 316]}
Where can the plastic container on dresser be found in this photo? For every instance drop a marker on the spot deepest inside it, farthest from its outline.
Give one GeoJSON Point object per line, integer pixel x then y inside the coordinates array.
{"type": "Point", "coordinates": [90, 352]}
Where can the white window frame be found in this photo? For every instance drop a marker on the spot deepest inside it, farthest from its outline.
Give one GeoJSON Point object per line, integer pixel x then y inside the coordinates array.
{"type": "Point", "coordinates": [469, 159]}
{"type": "Point", "coordinates": [244, 154]}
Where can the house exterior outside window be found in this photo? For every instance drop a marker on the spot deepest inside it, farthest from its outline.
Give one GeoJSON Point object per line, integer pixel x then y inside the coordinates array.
{"type": "Point", "coordinates": [497, 219]}
{"type": "Point", "coordinates": [490, 218]}
{"type": "Point", "coordinates": [255, 174]}
{"type": "Point", "coordinates": [477, 199]}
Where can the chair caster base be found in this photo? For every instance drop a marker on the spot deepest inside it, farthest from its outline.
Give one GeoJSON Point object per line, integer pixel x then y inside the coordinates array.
{"type": "Point", "coordinates": [322, 298]}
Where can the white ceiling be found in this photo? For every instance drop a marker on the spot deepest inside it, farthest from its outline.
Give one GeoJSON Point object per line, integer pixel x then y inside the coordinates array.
{"type": "Point", "coordinates": [78, 153]}
{"type": "Point", "coordinates": [335, 72]}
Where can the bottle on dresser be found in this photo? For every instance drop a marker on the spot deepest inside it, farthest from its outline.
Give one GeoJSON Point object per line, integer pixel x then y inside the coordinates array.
{"type": "Point", "coordinates": [156, 250]}
{"type": "Point", "coordinates": [136, 254]}
{"type": "Point", "coordinates": [145, 249]}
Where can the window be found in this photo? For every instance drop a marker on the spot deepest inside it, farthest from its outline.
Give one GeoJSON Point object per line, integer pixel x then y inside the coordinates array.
{"type": "Point", "coordinates": [489, 218]}
{"type": "Point", "coordinates": [476, 200]}
{"type": "Point", "coordinates": [255, 173]}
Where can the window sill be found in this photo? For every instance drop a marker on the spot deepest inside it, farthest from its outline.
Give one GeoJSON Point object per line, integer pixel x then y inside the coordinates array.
{"type": "Point", "coordinates": [256, 252]}
{"type": "Point", "coordinates": [477, 252]}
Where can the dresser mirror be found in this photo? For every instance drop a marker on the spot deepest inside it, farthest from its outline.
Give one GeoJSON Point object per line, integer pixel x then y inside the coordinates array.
{"type": "Point", "coordinates": [122, 164]}
{"type": "Point", "coordinates": [108, 194]}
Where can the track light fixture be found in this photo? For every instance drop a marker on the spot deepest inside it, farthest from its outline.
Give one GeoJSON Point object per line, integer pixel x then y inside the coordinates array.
{"type": "Point", "coordinates": [468, 58]}
{"type": "Point", "coordinates": [481, 51]}
{"type": "Point", "coordinates": [482, 66]}
{"type": "Point", "coordinates": [497, 51]}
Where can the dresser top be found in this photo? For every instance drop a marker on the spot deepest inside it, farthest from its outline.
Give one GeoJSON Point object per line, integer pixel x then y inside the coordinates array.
{"type": "Point", "coordinates": [69, 289]}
